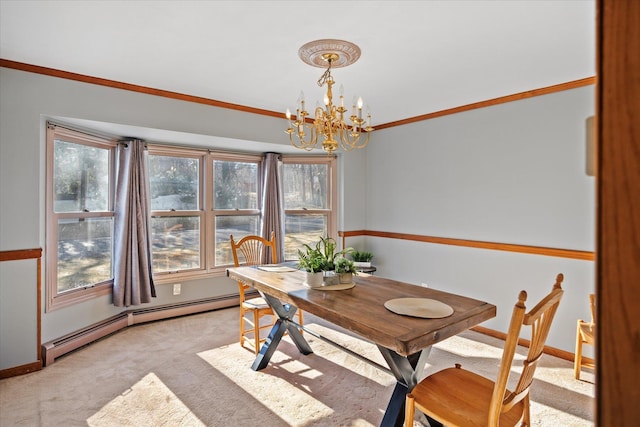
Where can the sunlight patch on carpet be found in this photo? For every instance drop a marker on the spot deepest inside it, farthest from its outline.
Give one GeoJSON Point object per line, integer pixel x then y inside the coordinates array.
{"type": "Point", "coordinates": [319, 386]}
{"type": "Point", "coordinates": [149, 402]}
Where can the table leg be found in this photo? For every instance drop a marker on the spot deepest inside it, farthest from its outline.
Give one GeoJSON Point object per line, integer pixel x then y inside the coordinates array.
{"type": "Point", "coordinates": [284, 323]}
{"type": "Point", "coordinates": [406, 370]}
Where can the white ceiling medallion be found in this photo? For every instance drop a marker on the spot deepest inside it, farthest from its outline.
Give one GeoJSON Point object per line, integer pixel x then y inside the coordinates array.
{"type": "Point", "coordinates": [314, 53]}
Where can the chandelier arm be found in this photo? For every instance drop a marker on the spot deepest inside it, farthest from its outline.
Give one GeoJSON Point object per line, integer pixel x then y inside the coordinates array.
{"type": "Point", "coordinates": [300, 141]}
{"type": "Point", "coordinates": [350, 139]}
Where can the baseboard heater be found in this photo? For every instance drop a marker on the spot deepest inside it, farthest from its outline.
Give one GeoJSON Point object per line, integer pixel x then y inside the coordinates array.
{"type": "Point", "coordinates": [63, 345]}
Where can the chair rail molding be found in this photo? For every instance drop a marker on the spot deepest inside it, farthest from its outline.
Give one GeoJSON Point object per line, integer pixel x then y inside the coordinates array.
{"type": "Point", "coordinates": [509, 247]}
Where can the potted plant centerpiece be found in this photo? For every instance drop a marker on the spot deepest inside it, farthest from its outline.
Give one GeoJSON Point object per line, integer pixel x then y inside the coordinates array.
{"type": "Point", "coordinates": [312, 261]}
{"type": "Point", "coordinates": [361, 258]}
{"type": "Point", "coordinates": [326, 250]}
{"type": "Point", "coordinates": [345, 269]}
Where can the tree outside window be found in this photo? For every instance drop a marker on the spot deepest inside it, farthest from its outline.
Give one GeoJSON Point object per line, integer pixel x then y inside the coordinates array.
{"type": "Point", "coordinates": [308, 200]}
{"type": "Point", "coordinates": [236, 202]}
{"type": "Point", "coordinates": [176, 217]}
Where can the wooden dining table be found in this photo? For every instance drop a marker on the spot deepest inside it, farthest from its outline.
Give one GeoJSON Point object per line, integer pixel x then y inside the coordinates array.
{"type": "Point", "coordinates": [404, 341]}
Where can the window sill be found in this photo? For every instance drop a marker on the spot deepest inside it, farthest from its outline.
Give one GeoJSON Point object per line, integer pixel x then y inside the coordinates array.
{"type": "Point", "coordinates": [162, 278]}
{"type": "Point", "coordinates": [77, 296]}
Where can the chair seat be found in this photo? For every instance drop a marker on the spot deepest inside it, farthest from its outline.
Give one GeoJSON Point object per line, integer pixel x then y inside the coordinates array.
{"type": "Point", "coordinates": [587, 331]}
{"type": "Point", "coordinates": [254, 303]}
{"type": "Point", "coordinates": [439, 396]}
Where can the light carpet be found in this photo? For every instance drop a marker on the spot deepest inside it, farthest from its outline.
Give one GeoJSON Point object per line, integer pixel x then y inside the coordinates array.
{"type": "Point", "coordinates": [191, 371]}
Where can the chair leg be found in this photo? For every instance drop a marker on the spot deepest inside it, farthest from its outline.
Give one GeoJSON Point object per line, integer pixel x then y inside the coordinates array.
{"type": "Point", "coordinates": [409, 410]}
{"type": "Point", "coordinates": [300, 320]}
{"type": "Point", "coordinates": [256, 331]}
{"type": "Point", "coordinates": [241, 327]}
{"type": "Point", "coordinates": [577, 361]}
{"type": "Point", "coordinates": [526, 419]}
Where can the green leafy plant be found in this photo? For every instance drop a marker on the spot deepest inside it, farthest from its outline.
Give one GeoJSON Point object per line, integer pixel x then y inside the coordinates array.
{"type": "Point", "coordinates": [361, 256]}
{"type": "Point", "coordinates": [327, 248]}
{"type": "Point", "coordinates": [311, 260]}
{"type": "Point", "coordinates": [345, 265]}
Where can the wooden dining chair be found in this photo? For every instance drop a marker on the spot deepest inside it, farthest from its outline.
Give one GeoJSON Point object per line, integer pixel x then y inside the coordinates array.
{"type": "Point", "coordinates": [250, 251]}
{"type": "Point", "coordinates": [585, 334]}
{"type": "Point", "coordinates": [457, 397]}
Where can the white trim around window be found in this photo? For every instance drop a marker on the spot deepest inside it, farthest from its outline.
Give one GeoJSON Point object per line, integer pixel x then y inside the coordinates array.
{"type": "Point", "coordinates": [78, 263]}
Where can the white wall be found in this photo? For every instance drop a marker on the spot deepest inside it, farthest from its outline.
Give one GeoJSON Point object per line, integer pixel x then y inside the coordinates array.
{"type": "Point", "coordinates": [352, 175]}
{"type": "Point", "coordinates": [18, 324]}
{"type": "Point", "coordinates": [511, 173]}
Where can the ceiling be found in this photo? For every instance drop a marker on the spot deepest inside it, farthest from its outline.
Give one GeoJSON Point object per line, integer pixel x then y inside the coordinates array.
{"type": "Point", "coordinates": [418, 57]}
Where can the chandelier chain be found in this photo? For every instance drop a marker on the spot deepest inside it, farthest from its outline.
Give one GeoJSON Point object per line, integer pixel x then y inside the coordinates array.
{"type": "Point", "coordinates": [326, 76]}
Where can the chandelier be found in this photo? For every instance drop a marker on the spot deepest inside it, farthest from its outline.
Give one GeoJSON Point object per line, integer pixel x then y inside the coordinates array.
{"type": "Point", "coordinates": [329, 121]}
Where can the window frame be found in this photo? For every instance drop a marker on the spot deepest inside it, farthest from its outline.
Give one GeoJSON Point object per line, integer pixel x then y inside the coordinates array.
{"type": "Point", "coordinates": [55, 300]}
{"type": "Point", "coordinates": [189, 153]}
{"type": "Point", "coordinates": [213, 212]}
{"type": "Point", "coordinates": [207, 188]}
{"type": "Point", "coordinates": [331, 212]}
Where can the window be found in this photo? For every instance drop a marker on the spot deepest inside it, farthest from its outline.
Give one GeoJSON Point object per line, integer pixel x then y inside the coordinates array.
{"type": "Point", "coordinates": [198, 200]}
{"type": "Point", "coordinates": [236, 202]}
{"type": "Point", "coordinates": [177, 217]}
{"type": "Point", "coordinates": [309, 200]}
{"type": "Point", "coordinates": [80, 191]}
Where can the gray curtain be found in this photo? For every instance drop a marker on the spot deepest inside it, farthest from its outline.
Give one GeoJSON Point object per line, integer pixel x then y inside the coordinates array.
{"type": "Point", "coordinates": [272, 206]}
{"type": "Point", "coordinates": [133, 282]}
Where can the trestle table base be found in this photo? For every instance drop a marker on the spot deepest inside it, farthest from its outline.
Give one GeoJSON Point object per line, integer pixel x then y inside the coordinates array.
{"type": "Point", "coordinates": [404, 369]}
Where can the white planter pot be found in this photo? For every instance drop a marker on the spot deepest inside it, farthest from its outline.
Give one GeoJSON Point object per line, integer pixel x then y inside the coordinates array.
{"type": "Point", "coordinates": [362, 264]}
{"type": "Point", "coordinates": [330, 278]}
{"type": "Point", "coordinates": [345, 277]}
{"type": "Point", "coordinates": [314, 279]}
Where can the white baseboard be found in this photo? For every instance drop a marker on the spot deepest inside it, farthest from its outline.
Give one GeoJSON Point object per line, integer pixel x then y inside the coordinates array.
{"type": "Point", "coordinates": [65, 344]}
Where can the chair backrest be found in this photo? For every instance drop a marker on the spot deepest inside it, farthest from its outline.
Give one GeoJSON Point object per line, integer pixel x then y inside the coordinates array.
{"type": "Point", "coordinates": [592, 306]}
{"type": "Point", "coordinates": [252, 249]}
{"type": "Point", "coordinates": [539, 318]}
